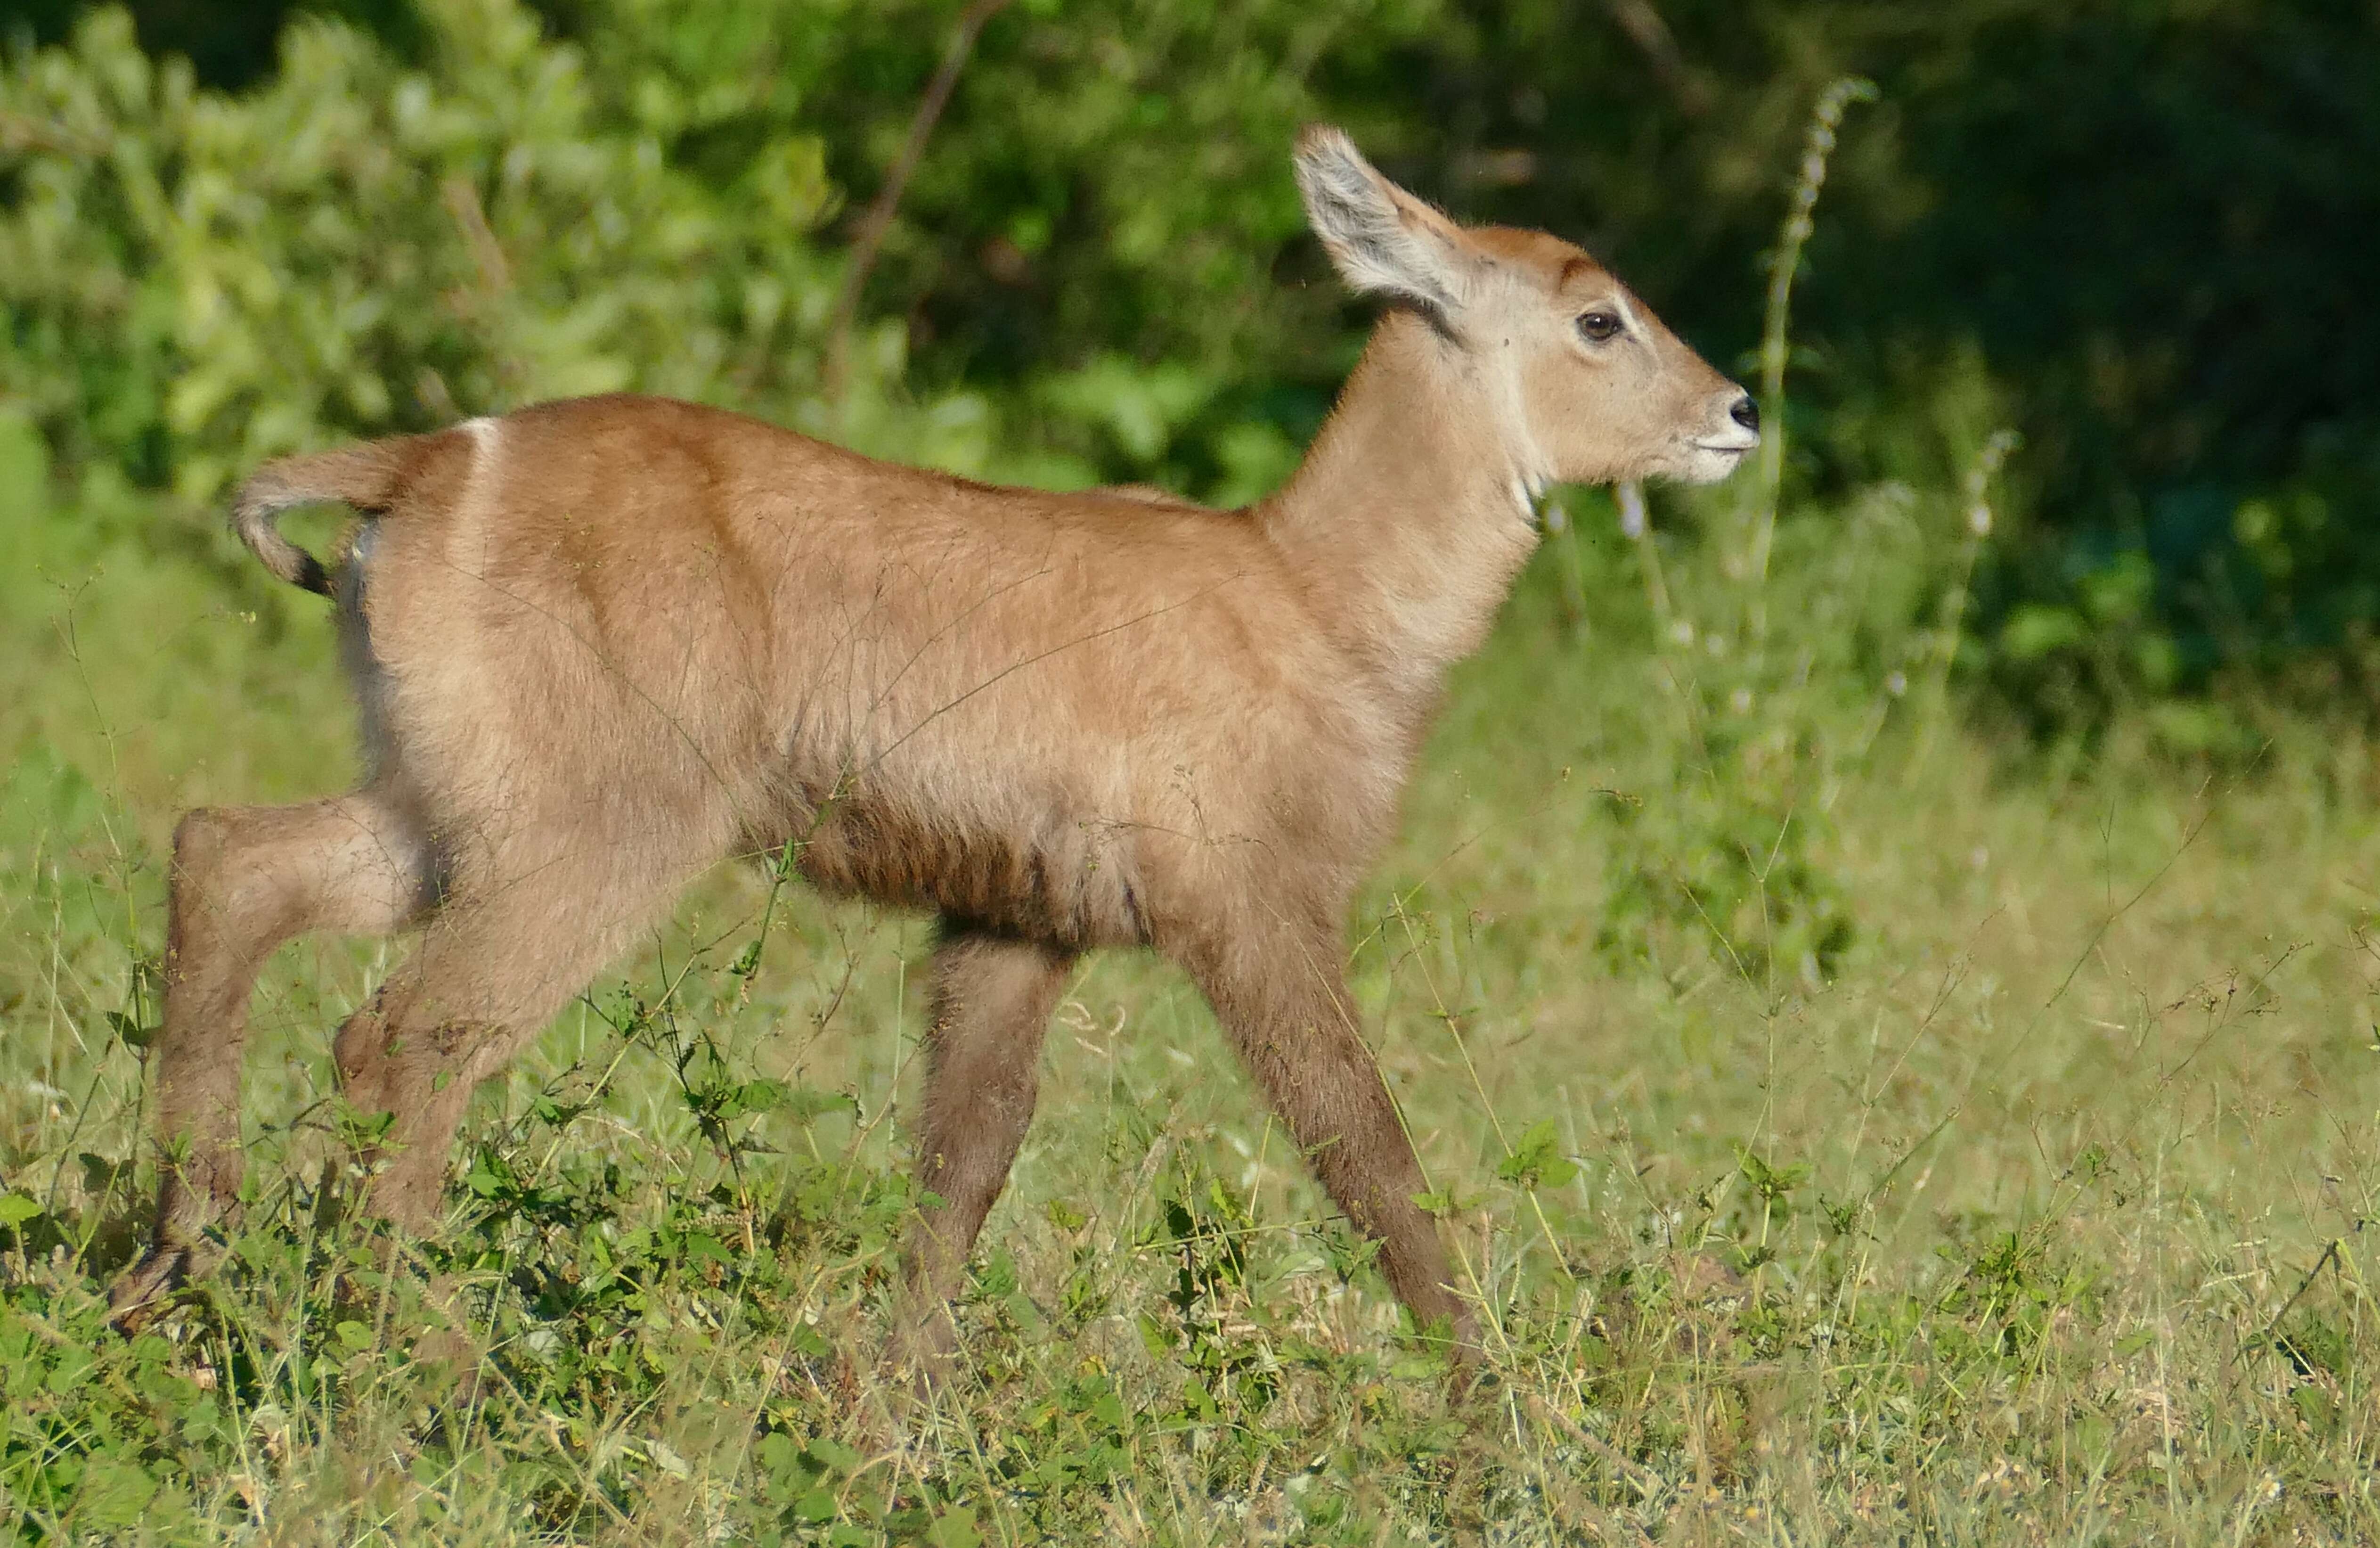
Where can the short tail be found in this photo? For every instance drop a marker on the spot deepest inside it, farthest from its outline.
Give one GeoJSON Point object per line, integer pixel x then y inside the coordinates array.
{"type": "Point", "coordinates": [364, 476]}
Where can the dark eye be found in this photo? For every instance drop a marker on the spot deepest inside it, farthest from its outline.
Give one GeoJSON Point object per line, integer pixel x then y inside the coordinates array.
{"type": "Point", "coordinates": [1599, 325]}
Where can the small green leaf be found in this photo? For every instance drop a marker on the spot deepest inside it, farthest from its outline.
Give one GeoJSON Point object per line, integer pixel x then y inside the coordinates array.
{"type": "Point", "coordinates": [753, 1096]}
{"type": "Point", "coordinates": [15, 1209]}
{"type": "Point", "coordinates": [778, 1456]}
{"type": "Point", "coordinates": [113, 1494]}
{"type": "Point", "coordinates": [1537, 1160]}
{"type": "Point", "coordinates": [808, 1101]}
{"type": "Point", "coordinates": [954, 1529]}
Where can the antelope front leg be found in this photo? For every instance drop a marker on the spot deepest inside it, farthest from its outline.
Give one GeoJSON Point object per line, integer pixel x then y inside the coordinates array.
{"type": "Point", "coordinates": [993, 997]}
{"type": "Point", "coordinates": [1286, 1008]}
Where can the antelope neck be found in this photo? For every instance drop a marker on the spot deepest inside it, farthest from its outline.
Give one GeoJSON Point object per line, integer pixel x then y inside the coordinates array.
{"type": "Point", "coordinates": [1412, 512]}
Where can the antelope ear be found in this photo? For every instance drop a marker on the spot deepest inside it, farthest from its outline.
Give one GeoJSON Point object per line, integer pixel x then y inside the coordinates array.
{"type": "Point", "coordinates": [1380, 237]}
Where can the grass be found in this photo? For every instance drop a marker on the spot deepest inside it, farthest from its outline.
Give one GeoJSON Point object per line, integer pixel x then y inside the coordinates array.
{"type": "Point", "coordinates": [1856, 1128]}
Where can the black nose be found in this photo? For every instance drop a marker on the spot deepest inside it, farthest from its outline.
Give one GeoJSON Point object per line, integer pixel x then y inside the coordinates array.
{"type": "Point", "coordinates": [1745, 412]}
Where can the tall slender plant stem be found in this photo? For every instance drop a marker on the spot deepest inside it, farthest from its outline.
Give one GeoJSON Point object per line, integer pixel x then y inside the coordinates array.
{"type": "Point", "coordinates": [1977, 507]}
{"type": "Point", "coordinates": [1636, 526]}
{"type": "Point", "coordinates": [868, 241]}
{"type": "Point", "coordinates": [1784, 265]}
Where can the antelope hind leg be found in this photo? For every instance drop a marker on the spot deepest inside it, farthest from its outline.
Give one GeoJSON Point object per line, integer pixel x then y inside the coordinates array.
{"type": "Point", "coordinates": [244, 881]}
{"type": "Point", "coordinates": [517, 936]}
{"type": "Point", "coordinates": [991, 1002]}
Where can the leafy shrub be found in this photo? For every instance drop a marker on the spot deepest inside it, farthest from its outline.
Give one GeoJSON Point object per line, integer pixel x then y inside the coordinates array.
{"type": "Point", "coordinates": [198, 282]}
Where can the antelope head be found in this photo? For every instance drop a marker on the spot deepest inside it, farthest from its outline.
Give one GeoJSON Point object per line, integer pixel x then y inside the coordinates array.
{"type": "Point", "coordinates": [1584, 384]}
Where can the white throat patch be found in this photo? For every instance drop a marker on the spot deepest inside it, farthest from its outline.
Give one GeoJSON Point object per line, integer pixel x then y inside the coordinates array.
{"type": "Point", "coordinates": [1527, 489]}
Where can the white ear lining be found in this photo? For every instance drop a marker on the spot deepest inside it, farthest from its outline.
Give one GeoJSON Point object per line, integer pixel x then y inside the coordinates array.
{"type": "Point", "coordinates": [1371, 240]}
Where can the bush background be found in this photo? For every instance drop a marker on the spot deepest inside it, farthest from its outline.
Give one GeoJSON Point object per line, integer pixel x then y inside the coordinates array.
{"type": "Point", "coordinates": [2136, 232]}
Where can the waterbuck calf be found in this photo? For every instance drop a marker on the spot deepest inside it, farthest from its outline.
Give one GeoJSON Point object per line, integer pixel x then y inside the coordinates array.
{"type": "Point", "coordinates": [600, 645]}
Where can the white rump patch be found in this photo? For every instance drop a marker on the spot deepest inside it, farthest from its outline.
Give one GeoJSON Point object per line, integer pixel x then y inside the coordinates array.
{"type": "Point", "coordinates": [479, 493]}
{"type": "Point", "coordinates": [483, 432]}
{"type": "Point", "coordinates": [1527, 489]}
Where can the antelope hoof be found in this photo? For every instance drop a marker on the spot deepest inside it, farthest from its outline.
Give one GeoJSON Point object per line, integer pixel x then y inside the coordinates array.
{"type": "Point", "coordinates": [147, 1288]}
{"type": "Point", "coordinates": [920, 1361]}
{"type": "Point", "coordinates": [1465, 1378]}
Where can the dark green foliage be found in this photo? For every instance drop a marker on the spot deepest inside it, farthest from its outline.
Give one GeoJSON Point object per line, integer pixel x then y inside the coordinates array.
{"type": "Point", "coordinates": [2139, 228]}
{"type": "Point", "coordinates": [229, 47]}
